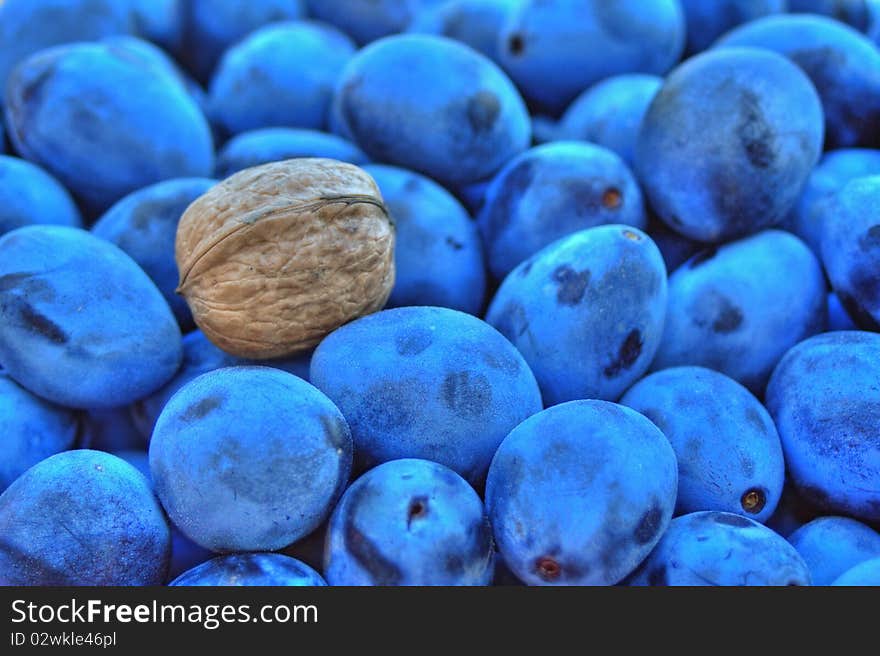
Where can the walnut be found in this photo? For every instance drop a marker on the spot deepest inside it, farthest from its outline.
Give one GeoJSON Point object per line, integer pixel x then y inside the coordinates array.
{"type": "Point", "coordinates": [277, 256]}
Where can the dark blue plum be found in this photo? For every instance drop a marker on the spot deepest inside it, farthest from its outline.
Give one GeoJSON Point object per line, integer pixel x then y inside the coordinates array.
{"type": "Point", "coordinates": [610, 113]}
{"type": "Point", "coordinates": [438, 257]}
{"type": "Point", "coordinates": [838, 316]}
{"type": "Point", "coordinates": [82, 518]}
{"type": "Point", "coordinates": [409, 522]}
{"type": "Point", "coordinates": [426, 382]}
{"type": "Point", "coordinates": [282, 75]}
{"type": "Point", "coordinates": [823, 397]}
{"type": "Point", "coordinates": [80, 323]}
{"type": "Point", "coordinates": [856, 13]}
{"type": "Point", "coordinates": [432, 105]}
{"type": "Point", "coordinates": [721, 549]}
{"type": "Point", "coordinates": [31, 430]}
{"type": "Point", "coordinates": [550, 192]}
{"type": "Point", "coordinates": [250, 569]}
{"type": "Point", "coordinates": [792, 512]}
{"type": "Point", "coordinates": [29, 195]}
{"type": "Point", "coordinates": [674, 247]}
{"type": "Point", "coordinates": [210, 27]}
{"type": "Point", "coordinates": [832, 545]}
{"type": "Point", "coordinates": [851, 249]}
{"type": "Point", "coordinates": [144, 225]}
{"type": "Point", "coordinates": [729, 453]}
{"type": "Point", "coordinates": [70, 109]}
{"type": "Point", "coordinates": [276, 144]}
{"type": "Point", "coordinates": [586, 312]}
{"type": "Point", "coordinates": [476, 23]}
{"type": "Point", "coordinates": [706, 21]}
{"type": "Point", "coordinates": [863, 574]}
{"type": "Point", "coordinates": [739, 307]}
{"type": "Point", "coordinates": [110, 429]}
{"type": "Point", "coordinates": [27, 26]}
{"type": "Point", "coordinates": [473, 195]}
{"type": "Point", "coordinates": [160, 21]}
{"type": "Point", "coordinates": [843, 64]}
{"type": "Point", "coordinates": [368, 20]}
{"type": "Point", "coordinates": [555, 50]}
{"type": "Point", "coordinates": [728, 142]}
{"type": "Point", "coordinates": [836, 169]}
{"type": "Point", "coordinates": [249, 458]}
{"type": "Point", "coordinates": [580, 493]}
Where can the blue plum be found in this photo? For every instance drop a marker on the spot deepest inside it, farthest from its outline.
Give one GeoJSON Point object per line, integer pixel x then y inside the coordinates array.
{"type": "Point", "coordinates": [721, 549]}
{"type": "Point", "coordinates": [739, 307]}
{"type": "Point", "coordinates": [580, 493]}
{"type": "Point", "coordinates": [823, 398]}
{"type": "Point", "coordinates": [674, 247]}
{"type": "Point", "coordinates": [409, 522]}
{"type": "Point", "coordinates": [251, 569]}
{"type": "Point", "coordinates": [729, 453]}
{"type": "Point", "coordinates": [586, 312]}
{"type": "Point", "coordinates": [80, 323]}
{"type": "Point", "coordinates": [29, 195]}
{"type": "Point", "coordinates": [837, 168]}
{"type": "Point", "coordinates": [432, 105]}
{"type": "Point", "coordinates": [792, 512]}
{"type": "Point", "coordinates": [144, 225]}
{"type": "Point", "coordinates": [555, 50]}
{"type": "Point", "coordinates": [281, 75]}
{"type": "Point", "coordinates": [209, 465]}
{"type": "Point", "coordinates": [110, 429]}
{"type": "Point", "coordinates": [210, 27]}
{"type": "Point", "coordinates": [70, 109]}
{"type": "Point", "coordinates": [425, 382]}
{"type": "Point", "coordinates": [476, 23]}
{"type": "Point", "coordinates": [610, 113]}
{"type": "Point", "coordinates": [160, 21]}
{"type": "Point", "coordinates": [257, 147]}
{"type": "Point", "coordinates": [851, 249]}
{"type": "Point", "coordinates": [838, 317]}
{"type": "Point", "coordinates": [550, 192]}
{"type": "Point", "coordinates": [832, 545]}
{"type": "Point", "coordinates": [856, 13]}
{"type": "Point", "coordinates": [863, 574]}
{"type": "Point", "coordinates": [723, 168]}
{"type": "Point", "coordinates": [438, 257]}
{"type": "Point", "coordinates": [27, 26]}
{"type": "Point", "coordinates": [368, 20]}
{"type": "Point", "coordinates": [473, 195]}
{"type": "Point", "coordinates": [82, 518]}
{"type": "Point", "coordinates": [32, 429]}
{"type": "Point", "coordinates": [706, 21]}
{"type": "Point", "coordinates": [843, 64]}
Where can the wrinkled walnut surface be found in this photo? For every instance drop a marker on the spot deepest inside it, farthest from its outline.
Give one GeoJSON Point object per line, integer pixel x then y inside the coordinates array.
{"type": "Point", "coordinates": [277, 256]}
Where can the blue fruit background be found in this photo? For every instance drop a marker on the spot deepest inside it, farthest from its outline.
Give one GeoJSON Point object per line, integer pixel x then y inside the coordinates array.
{"type": "Point", "coordinates": [634, 334]}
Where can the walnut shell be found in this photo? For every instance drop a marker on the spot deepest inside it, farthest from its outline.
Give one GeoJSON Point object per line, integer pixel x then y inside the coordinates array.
{"type": "Point", "coordinates": [277, 256]}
